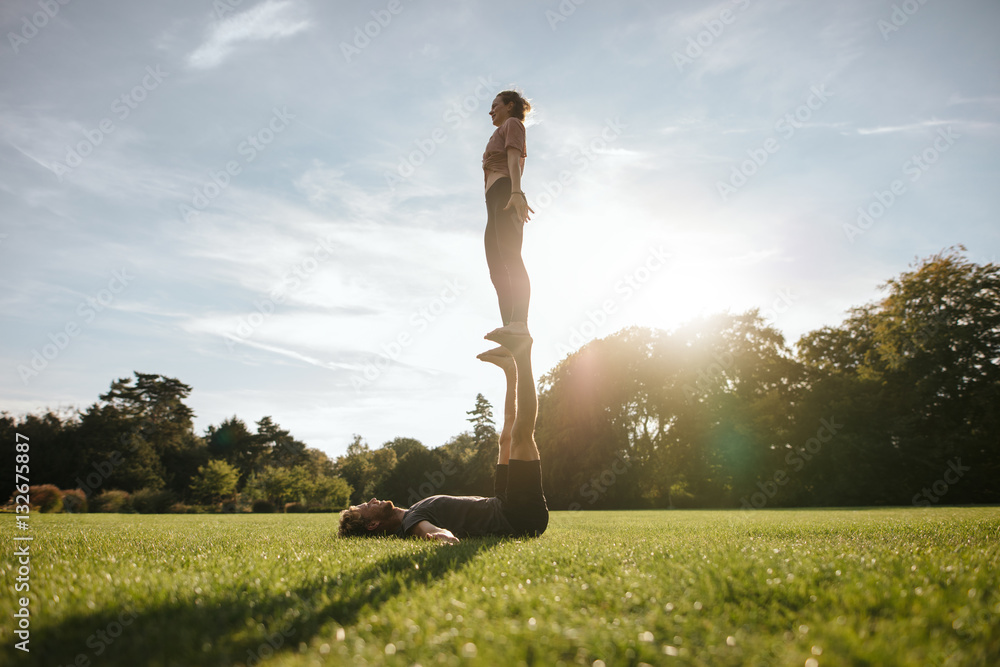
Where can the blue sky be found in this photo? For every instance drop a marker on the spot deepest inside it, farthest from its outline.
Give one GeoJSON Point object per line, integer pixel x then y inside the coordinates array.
{"type": "Point", "coordinates": [280, 203]}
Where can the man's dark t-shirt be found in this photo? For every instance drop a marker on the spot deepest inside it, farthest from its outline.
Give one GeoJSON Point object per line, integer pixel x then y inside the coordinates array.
{"type": "Point", "coordinates": [464, 516]}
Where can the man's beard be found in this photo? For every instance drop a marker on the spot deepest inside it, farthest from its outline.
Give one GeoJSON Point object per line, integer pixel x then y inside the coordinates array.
{"type": "Point", "coordinates": [385, 513]}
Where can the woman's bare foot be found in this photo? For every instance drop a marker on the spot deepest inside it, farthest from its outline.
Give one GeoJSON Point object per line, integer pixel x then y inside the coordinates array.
{"type": "Point", "coordinates": [514, 337]}
{"type": "Point", "coordinates": [498, 356]}
{"type": "Point", "coordinates": [512, 329]}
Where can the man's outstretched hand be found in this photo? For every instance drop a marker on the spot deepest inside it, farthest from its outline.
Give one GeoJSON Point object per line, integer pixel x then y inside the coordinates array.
{"type": "Point", "coordinates": [444, 536]}
{"type": "Point", "coordinates": [429, 531]}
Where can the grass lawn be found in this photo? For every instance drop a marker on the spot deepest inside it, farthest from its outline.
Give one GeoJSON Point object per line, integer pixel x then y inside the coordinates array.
{"type": "Point", "coordinates": [797, 587]}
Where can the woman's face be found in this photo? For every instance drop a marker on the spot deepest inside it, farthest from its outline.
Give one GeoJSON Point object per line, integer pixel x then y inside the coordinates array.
{"type": "Point", "coordinates": [500, 112]}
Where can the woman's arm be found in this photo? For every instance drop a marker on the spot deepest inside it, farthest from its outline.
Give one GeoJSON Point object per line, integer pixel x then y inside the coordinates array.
{"type": "Point", "coordinates": [517, 198]}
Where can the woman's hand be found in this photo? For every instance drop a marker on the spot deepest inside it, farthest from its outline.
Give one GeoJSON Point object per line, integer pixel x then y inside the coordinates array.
{"type": "Point", "coordinates": [521, 208]}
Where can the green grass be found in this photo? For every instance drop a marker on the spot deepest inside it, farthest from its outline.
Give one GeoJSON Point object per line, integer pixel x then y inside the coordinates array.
{"type": "Point", "coordinates": [841, 587]}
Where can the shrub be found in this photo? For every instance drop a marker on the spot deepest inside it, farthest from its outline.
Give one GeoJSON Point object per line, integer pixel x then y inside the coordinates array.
{"type": "Point", "coordinates": [243, 503]}
{"type": "Point", "coordinates": [680, 497]}
{"type": "Point", "coordinates": [294, 508]}
{"type": "Point", "coordinates": [112, 500]}
{"type": "Point", "coordinates": [152, 501]}
{"type": "Point", "coordinates": [46, 497]}
{"type": "Point", "coordinates": [74, 501]}
{"type": "Point", "coordinates": [263, 507]}
{"type": "Point", "coordinates": [184, 508]}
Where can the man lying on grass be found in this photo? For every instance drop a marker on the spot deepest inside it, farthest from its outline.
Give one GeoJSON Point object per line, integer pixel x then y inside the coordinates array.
{"type": "Point", "coordinates": [518, 506]}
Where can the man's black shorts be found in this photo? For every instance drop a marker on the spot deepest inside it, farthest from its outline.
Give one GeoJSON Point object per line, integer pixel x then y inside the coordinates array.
{"type": "Point", "coordinates": [524, 501]}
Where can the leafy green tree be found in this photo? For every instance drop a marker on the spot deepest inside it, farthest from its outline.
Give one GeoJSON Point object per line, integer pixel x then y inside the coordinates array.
{"type": "Point", "coordinates": [738, 380]}
{"type": "Point", "coordinates": [356, 468]}
{"type": "Point", "coordinates": [658, 418]}
{"type": "Point", "coordinates": [280, 448]}
{"type": "Point", "coordinates": [216, 481]}
{"type": "Point", "coordinates": [478, 472]}
{"type": "Point", "coordinates": [463, 458]}
{"type": "Point", "coordinates": [269, 483]}
{"type": "Point", "coordinates": [330, 492]}
{"type": "Point", "coordinates": [232, 441]}
{"type": "Point", "coordinates": [110, 452]}
{"type": "Point", "coordinates": [284, 485]}
{"type": "Point", "coordinates": [401, 482]}
{"type": "Point", "coordinates": [917, 379]}
{"type": "Point", "coordinates": [402, 446]}
{"type": "Point", "coordinates": [50, 438]}
{"type": "Point", "coordinates": [153, 406]}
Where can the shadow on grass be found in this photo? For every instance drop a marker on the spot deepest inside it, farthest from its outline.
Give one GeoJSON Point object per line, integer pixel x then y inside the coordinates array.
{"type": "Point", "coordinates": [234, 628]}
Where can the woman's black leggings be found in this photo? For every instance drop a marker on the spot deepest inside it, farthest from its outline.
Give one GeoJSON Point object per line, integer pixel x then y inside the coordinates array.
{"type": "Point", "coordinates": [503, 254]}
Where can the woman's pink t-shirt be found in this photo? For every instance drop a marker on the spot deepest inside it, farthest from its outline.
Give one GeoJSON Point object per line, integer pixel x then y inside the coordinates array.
{"type": "Point", "coordinates": [510, 134]}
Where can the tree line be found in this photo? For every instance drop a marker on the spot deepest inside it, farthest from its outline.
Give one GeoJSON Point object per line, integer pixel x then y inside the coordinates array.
{"type": "Point", "coordinates": [136, 449]}
{"type": "Point", "coordinates": [899, 404]}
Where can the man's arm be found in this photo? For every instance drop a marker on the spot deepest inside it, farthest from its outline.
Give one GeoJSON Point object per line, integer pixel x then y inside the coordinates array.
{"type": "Point", "coordinates": [428, 531]}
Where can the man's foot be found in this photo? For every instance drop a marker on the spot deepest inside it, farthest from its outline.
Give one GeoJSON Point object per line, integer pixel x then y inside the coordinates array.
{"type": "Point", "coordinates": [514, 337]}
{"type": "Point", "coordinates": [498, 356]}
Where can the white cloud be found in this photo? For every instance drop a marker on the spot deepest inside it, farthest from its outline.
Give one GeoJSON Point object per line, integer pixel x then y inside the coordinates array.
{"type": "Point", "coordinates": [264, 21]}
{"type": "Point", "coordinates": [909, 127]}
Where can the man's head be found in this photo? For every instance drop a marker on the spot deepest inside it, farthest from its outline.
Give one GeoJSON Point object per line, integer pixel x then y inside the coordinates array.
{"type": "Point", "coordinates": [374, 518]}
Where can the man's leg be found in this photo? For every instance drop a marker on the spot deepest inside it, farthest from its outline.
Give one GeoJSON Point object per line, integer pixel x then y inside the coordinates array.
{"type": "Point", "coordinates": [522, 446]}
{"type": "Point", "coordinates": [525, 506]}
{"type": "Point", "coordinates": [502, 358]}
